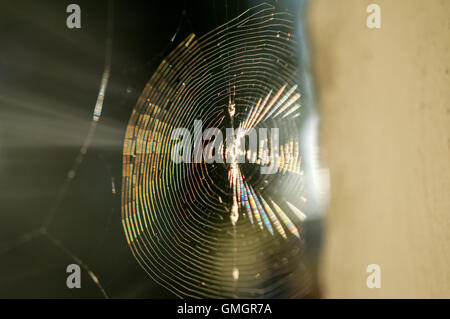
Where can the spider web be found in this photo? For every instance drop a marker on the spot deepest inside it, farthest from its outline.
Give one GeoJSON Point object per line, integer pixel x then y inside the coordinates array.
{"type": "Point", "coordinates": [50, 228]}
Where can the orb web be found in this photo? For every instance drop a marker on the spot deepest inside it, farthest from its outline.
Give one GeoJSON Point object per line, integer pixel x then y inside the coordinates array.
{"type": "Point", "coordinates": [212, 229]}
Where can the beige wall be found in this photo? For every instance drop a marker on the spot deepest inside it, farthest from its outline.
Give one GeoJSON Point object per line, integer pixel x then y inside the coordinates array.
{"type": "Point", "coordinates": [385, 102]}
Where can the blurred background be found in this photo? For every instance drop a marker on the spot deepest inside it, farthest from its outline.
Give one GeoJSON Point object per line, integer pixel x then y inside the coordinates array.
{"type": "Point", "coordinates": [382, 95]}
{"type": "Point", "coordinates": [384, 102]}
